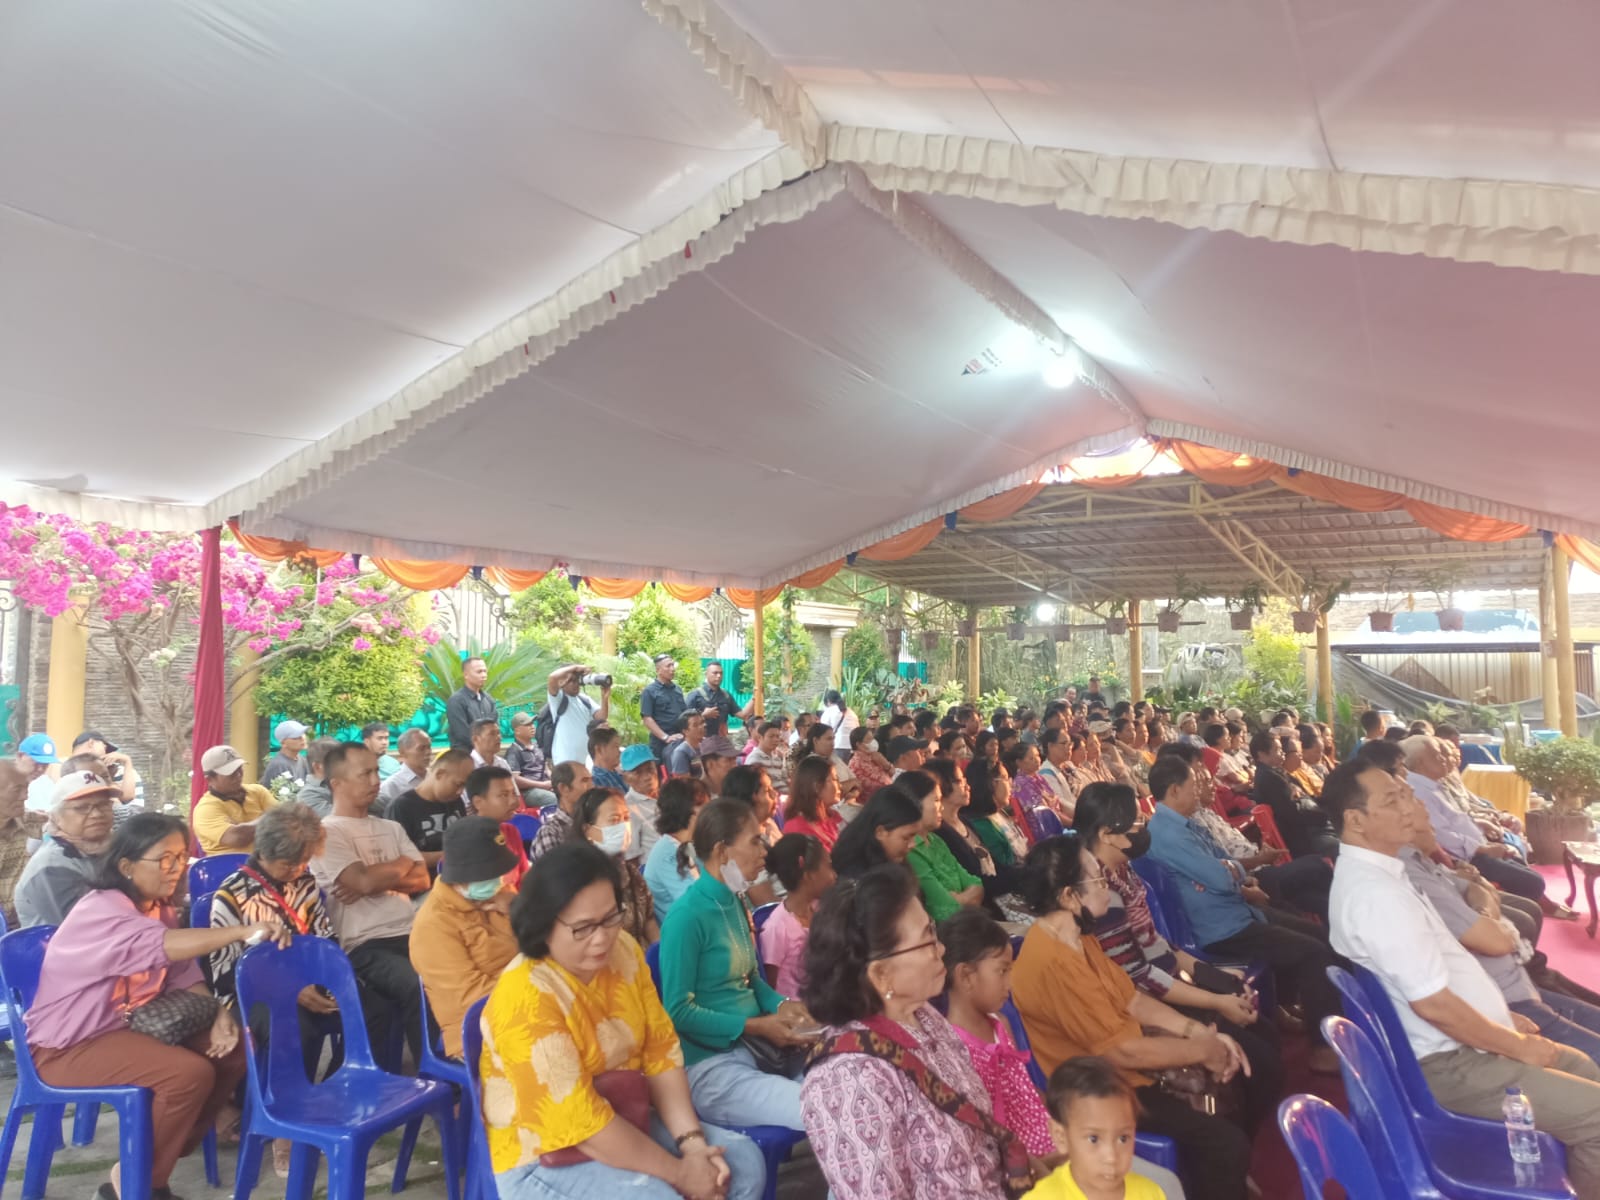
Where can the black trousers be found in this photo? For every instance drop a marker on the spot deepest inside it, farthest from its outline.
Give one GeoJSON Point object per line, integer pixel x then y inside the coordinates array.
{"type": "Point", "coordinates": [389, 993]}
{"type": "Point", "coordinates": [1213, 1152]}
{"type": "Point", "coordinates": [1299, 955]}
{"type": "Point", "coordinates": [1302, 883]}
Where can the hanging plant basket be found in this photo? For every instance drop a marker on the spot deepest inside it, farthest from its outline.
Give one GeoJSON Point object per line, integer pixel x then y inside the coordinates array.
{"type": "Point", "coordinates": [1241, 619]}
{"type": "Point", "coordinates": [896, 635]}
{"type": "Point", "coordinates": [1452, 620]}
{"type": "Point", "coordinates": [1304, 622]}
{"type": "Point", "coordinates": [966, 629]}
{"type": "Point", "coordinates": [1116, 626]}
{"type": "Point", "coordinates": [1382, 622]}
{"type": "Point", "coordinates": [1016, 631]}
{"type": "Point", "coordinates": [1168, 622]}
{"type": "Point", "coordinates": [1061, 633]}
{"type": "Point", "coordinates": [930, 640]}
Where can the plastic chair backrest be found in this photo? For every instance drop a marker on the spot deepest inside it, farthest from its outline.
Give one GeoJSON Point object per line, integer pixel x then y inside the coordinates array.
{"type": "Point", "coordinates": [1261, 814]}
{"type": "Point", "coordinates": [1387, 1126]}
{"type": "Point", "coordinates": [761, 914]}
{"type": "Point", "coordinates": [274, 978]}
{"type": "Point", "coordinates": [21, 960]}
{"type": "Point", "coordinates": [548, 811]}
{"type": "Point", "coordinates": [1019, 1035]}
{"type": "Point", "coordinates": [527, 824]}
{"type": "Point", "coordinates": [1326, 1148]}
{"type": "Point", "coordinates": [1368, 1005]}
{"type": "Point", "coordinates": [1166, 905]}
{"type": "Point", "coordinates": [206, 874]}
{"type": "Point", "coordinates": [1046, 823]}
{"type": "Point", "coordinates": [652, 959]}
{"type": "Point", "coordinates": [200, 911]}
{"type": "Point", "coordinates": [480, 1167]}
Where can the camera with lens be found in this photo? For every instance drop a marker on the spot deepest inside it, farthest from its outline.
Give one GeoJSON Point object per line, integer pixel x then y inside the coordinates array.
{"type": "Point", "coordinates": [603, 681]}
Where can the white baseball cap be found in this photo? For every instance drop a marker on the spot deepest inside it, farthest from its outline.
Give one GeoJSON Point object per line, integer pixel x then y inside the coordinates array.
{"type": "Point", "coordinates": [221, 760]}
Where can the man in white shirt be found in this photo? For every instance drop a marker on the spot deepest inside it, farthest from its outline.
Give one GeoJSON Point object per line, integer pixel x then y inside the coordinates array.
{"type": "Point", "coordinates": [416, 752]}
{"type": "Point", "coordinates": [769, 754]}
{"type": "Point", "coordinates": [1470, 1045]}
{"type": "Point", "coordinates": [573, 712]}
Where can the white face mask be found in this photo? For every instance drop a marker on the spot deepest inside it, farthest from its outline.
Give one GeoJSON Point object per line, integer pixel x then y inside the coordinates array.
{"type": "Point", "coordinates": [734, 878]}
{"type": "Point", "coordinates": [615, 839]}
{"type": "Point", "coordinates": [870, 745]}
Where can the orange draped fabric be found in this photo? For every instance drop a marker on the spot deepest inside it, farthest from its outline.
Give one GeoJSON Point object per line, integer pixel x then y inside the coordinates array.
{"type": "Point", "coordinates": [1580, 550]}
{"type": "Point", "coordinates": [1336, 491]}
{"type": "Point", "coordinates": [817, 576]}
{"type": "Point", "coordinates": [1465, 527]}
{"type": "Point", "coordinates": [1107, 481]}
{"type": "Point", "coordinates": [1002, 504]}
{"type": "Point", "coordinates": [614, 589]}
{"type": "Point", "coordinates": [748, 598]}
{"type": "Point", "coordinates": [422, 576]}
{"type": "Point", "coordinates": [515, 581]}
{"type": "Point", "coordinates": [904, 545]}
{"type": "Point", "coordinates": [1221, 466]}
{"type": "Point", "coordinates": [687, 593]}
{"type": "Point", "coordinates": [270, 549]}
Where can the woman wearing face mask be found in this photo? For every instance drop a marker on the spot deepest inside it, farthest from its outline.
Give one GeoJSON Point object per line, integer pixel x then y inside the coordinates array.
{"type": "Point", "coordinates": [1074, 1001]}
{"type": "Point", "coordinates": [602, 818]}
{"type": "Point", "coordinates": [725, 1011]}
{"type": "Point", "coordinates": [871, 770]}
{"type": "Point", "coordinates": [1107, 823]}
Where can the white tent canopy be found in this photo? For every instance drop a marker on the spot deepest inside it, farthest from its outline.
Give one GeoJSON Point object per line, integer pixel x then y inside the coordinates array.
{"type": "Point", "coordinates": [718, 294]}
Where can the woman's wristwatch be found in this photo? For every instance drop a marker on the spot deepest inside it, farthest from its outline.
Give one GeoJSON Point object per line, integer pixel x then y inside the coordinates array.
{"type": "Point", "coordinates": [690, 1136]}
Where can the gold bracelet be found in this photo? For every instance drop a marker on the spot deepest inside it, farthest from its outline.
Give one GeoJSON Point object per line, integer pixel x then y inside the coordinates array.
{"type": "Point", "coordinates": [690, 1136]}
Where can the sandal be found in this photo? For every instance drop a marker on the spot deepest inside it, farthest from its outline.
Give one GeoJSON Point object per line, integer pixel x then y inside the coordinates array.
{"type": "Point", "coordinates": [282, 1151]}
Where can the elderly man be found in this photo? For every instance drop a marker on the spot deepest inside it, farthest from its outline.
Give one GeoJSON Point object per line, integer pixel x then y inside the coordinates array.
{"type": "Point", "coordinates": [119, 767]}
{"type": "Point", "coordinates": [36, 754]}
{"type": "Point", "coordinates": [643, 776]}
{"type": "Point", "coordinates": [369, 870]}
{"type": "Point", "coordinates": [416, 752]}
{"type": "Point", "coordinates": [572, 712]}
{"type": "Point", "coordinates": [469, 704]}
{"type": "Point", "coordinates": [571, 780]}
{"type": "Point", "coordinates": [315, 795]}
{"type": "Point", "coordinates": [17, 828]}
{"type": "Point", "coordinates": [434, 804]}
{"type": "Point", "coordinates": [528, 764]}
{"type": "Point", "coordinates": [224, 819]}
{"type": "Point", "coordinates": [1470, 1046]}
{"type": "Point", "coordinates": [662, 705]}
{"type": "Point", "coordinates": [80, 834]}
{"type": "Point", "coordinates": [291, 739]}
{"type": "Point", "coordinates": [1459, 835]}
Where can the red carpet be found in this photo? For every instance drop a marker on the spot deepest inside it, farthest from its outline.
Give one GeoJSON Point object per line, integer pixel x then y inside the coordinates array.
{"type": "Point", "coordinates": [1570, 949]}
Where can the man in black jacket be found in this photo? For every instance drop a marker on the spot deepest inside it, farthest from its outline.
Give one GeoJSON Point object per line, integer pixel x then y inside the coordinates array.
{"type": "Point", "coordinates": [470, 704]}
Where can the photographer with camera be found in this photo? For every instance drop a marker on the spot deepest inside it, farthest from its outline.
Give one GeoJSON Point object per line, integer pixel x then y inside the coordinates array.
{"type": "Point", "coordinates": [571, 712]}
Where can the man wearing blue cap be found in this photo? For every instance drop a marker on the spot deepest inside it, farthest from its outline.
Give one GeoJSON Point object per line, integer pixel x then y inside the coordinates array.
{"type": "Point", "coordinates": [643, 776]}
{"type": "Point", "coordinates": [36, 755]}
{"type": "Point", "coordinates": [291, 739]}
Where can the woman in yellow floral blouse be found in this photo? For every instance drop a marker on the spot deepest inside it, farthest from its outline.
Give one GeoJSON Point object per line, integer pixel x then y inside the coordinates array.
{"type": "Point", "coordinates": [584, 1090]}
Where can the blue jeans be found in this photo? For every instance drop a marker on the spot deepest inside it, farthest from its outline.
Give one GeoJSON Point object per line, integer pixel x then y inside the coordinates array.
{"type": "Point", "coordinates": [730, 1089]}
{"type": "Point", "coordinates": [596, 1181]}
{"type": "Point", "coordinates": [1565, 1020]}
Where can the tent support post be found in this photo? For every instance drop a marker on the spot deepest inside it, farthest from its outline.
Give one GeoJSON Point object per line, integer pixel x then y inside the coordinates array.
{"type": "Point", "coordinates": [1135, 653]}
{"type": "Point", "coordinates": [244, 725]}
{"type": "Point", "coordinates": [1550, 688]}
{"type": "Point", "coordinates": [760, 630]}
{"type": "Point", "coordinates": [1324, 669]}
{"type": "Point", "coordinates": [974, 666]}
{"type": "Point", "coordinates": [1566, 681]}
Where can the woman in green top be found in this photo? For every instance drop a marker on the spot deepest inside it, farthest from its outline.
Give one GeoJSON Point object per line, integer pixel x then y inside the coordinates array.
{"type": "Point", "coordinates": [946, 888]}
{"type": "Point", "coordinates": [988, 809]}
{"type": "Point", "coordinates": [712, 984]}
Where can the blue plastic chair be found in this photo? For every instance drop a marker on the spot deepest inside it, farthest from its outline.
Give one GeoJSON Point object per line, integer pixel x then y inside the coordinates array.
{"type": "Point", "coordinates": [1368, 1005]}
{"type": "Point", "coordinates": [1415, 1157]}
{"type": "Point", "coordinates": [1172, 922]}
{"type": "Point", "coordinates": [1045, 823]}
{"type": "Point", "coordinates": [527, 824]}
{"type": "Point", "coordinates": [206, 874]}
{"type": "Point", "coordinates": [1152, 1147]}
{"type": "Point", "coordinates": [21, 958]}
{"type": "Point", "coordinates": [437, 1065]}
{"type": "Point", "coordinates": [1326, 1148]}
{"type": "Point", "coordinates": [480, 1167]}
{"type": "Point", "coordinates": [775, 1142]}
{"type": "Point", "coordinates": [344, 1114]}
{"type": "Point", "coordinates": [548, 811]}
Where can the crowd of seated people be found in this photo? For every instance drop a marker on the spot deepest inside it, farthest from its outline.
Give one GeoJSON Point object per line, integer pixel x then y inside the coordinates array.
{"type": "Point", "coordinates": [909, 891]}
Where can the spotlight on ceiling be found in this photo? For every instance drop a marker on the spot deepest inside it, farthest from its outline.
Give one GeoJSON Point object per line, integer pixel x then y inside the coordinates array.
{"type": "Point", "coordinates": [1044, 612]}
{"type": "Point", "coordinates": [1063, 370]}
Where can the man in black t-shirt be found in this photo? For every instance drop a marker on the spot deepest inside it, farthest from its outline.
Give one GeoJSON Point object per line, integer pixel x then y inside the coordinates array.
{"type": "Point", "coordinates": [430, 808]}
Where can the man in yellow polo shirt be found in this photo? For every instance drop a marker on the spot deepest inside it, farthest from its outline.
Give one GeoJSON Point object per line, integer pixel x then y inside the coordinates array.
{"type": "Point", "coordinates": [224, 820]}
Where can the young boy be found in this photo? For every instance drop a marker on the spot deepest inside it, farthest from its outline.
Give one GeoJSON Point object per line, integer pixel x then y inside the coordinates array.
{"type": "Point", "coordinates": [1097, 1108]}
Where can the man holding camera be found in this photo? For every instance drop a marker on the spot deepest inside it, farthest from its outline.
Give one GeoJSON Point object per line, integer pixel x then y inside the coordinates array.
{"type": "Point", "coordinates": [572, 712]}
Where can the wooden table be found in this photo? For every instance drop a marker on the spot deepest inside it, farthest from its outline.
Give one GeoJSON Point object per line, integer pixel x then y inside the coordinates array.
{"type": "Point", "coordinates": [1501, 786]}
{"type": "Point", "coordinates": [1587, 856]}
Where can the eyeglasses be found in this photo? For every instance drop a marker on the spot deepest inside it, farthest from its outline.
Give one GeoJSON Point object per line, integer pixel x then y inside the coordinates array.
{"type": "Point", "coordinates": [933, 941]}
{"type": "Point", "coordinates": [89, 810]}
{"type": "Point", "coordinates": [585, 931]}
{"type": "Point", "coordinates": [168, 862]}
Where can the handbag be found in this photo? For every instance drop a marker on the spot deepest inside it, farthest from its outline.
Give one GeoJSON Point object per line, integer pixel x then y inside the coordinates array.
{"type": "Point", "coordinates": [174, 1017]}
{"type": "Point", "coordinates": [628, 1094]}
{"type": "Point", "coordinates": [773, 1059]}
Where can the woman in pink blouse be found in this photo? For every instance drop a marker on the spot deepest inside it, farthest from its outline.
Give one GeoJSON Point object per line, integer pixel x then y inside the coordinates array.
{"type": "Point", "coordinates": [891, 1102]}
{"type": "Point", "coordinates": [813, 791]}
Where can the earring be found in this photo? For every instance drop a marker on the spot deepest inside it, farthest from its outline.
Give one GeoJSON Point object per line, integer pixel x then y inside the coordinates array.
{"type": "Point", "coordinates": [889, 995]}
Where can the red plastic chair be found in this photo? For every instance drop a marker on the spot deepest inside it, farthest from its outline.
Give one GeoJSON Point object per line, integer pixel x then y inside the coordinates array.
{"type": "Point", "coordinates": [1261, 814]}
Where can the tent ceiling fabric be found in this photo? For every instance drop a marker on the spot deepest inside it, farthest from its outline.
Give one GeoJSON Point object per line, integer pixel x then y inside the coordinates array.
{"type": "Point", "coordinates": [517, 290]}
{"type": "Point", "coordinates": [1086, 545]}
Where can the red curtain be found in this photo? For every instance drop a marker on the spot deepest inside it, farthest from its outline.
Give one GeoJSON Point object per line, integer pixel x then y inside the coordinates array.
{"type": "Point", "coordinates": [209, 665]}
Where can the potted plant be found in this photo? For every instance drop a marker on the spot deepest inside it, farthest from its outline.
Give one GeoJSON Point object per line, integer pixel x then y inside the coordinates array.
{"type": "Point", "coordinates": [930, 640]}
{"type": "Point", "coordinates": [1061, 632]}
{"type": "Point", "coordinates": [1017, 627]}
{"type": "Point", "coordinates": [1117, 618]}
{"type": "Point", "coordinates": [1316, 600]}
{"type": "Point", "coordinates": [1242, 607]}
{"type": "Point", "coordinates": [1567, 770]}
{"type": "Point", "coordinates": [1170, 618]}
{"type": "Point", "coordinates": [1382, 617]}
{"type": "Point", "coordinates": [1442, 583]}
{"type": "Point", "coordinates": [966, 627]}
{"type": "Point", "coordinates": [896, 635]}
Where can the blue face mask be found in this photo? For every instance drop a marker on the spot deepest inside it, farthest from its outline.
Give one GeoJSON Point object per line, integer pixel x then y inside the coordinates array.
{"type": "Point", "coordinates": [480, 892]}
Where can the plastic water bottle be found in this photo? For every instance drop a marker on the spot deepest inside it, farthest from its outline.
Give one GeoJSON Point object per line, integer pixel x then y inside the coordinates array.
{"type": "Point", "coordinates": [1520, 1132]}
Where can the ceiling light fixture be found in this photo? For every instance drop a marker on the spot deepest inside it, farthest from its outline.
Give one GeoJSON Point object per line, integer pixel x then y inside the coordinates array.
{"type": "Point", "coordinates": [1063, 370]}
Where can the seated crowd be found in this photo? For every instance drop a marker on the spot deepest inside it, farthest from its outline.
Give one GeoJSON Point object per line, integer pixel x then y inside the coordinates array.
{"type": "Point", "coordinates": [932, 946]}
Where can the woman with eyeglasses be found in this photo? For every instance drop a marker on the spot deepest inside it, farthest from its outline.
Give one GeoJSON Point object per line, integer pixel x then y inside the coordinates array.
{"type": "Point", "coordinates": [584, 1091]}
{"type": "Point", "coordinates": [743, 1041]}
{"type": "Point", "coordinates": [1075, 1001]}
{"type": "Point", "coordinates": [122, 1000]}
{"type": "Point", "coordinates": [893, 1105]}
